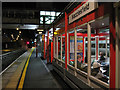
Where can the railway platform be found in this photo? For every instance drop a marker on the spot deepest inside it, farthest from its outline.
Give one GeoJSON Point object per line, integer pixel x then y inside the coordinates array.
{"type": "Point", "coordinates": [29, 71]}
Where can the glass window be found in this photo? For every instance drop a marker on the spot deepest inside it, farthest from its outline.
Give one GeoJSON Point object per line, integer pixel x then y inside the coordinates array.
{"type": "Point", "coordinates": [52, 13]}
{"type": "Point", "coordinates": [41, 22]}
{"type": "Point", "coordinates": [63, 47]}
{"type": "Point", "coordinates": [41, 18]}
{"type": "Point", "coordinates": [48, 22]}
{"type": "Point", "coordinates": [100, 49]}
{"type": "Point", "coordinates": [52, 18]}
{"type": "Point", "coordinates": [51, 21]}
{"type": "Point", "coordinates": [82, 48]}
{"type": "Point", "coordinates": [46, 18]}
{"type": "Point", "coordinates": [47, 13]}
{"type": "Point", "coordinates": [71, 47]}
{"type": "Point", "coordinates": [42, 12]}
{"type": "Point", "coordinates": [57, 13]}
{"type": "Point", "coordinates": [59, 47]}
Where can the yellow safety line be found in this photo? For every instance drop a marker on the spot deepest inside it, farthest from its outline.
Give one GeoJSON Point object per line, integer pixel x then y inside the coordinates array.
{"type": "Point", "coordinates": [24, 72]}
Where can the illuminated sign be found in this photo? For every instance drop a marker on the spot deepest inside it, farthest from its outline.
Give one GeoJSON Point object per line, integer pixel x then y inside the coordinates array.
{"type": "Point", "coordinates": [83, 10]}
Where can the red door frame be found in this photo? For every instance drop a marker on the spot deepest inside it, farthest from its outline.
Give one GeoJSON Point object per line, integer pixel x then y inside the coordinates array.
{"type": "Point", "coordinates": [66, 24]}
{"type": "Point", "coordinates": [48, 47]}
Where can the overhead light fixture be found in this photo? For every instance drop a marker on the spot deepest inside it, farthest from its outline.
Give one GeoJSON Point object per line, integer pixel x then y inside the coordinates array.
{"type": "Point", "coordinates": [17, 28]}
{"type": "Point", "coordinates": [57, 29]}
{"type": "Point", "coordinates": [102, 24]}
{"type": "Point", "coordinates": [39, 30]}
{"type": "Point", "coordinates": [55, 33]}
{"type": "Point", "coordinates": [19, 32]}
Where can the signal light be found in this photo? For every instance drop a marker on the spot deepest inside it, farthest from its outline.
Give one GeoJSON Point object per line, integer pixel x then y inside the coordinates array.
{"type": "Point", "coordinates": [28, 42]}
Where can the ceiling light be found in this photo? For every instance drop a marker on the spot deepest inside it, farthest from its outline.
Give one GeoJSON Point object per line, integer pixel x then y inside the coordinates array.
{"type": "Point", "coordinates": [40, 32]}
{"type": "Point", "coordinates": [55, 33]}
{"type": "Point", "coordinates": [102, 24]}
{"type": "Point", "coordinates": [17, 28]}
{"type": "Point", "coordinates": [39, 29]}
{"type": "Point", "coordinates": [57, 29]}
{"type": "Point", "coordinates": [19, 31]}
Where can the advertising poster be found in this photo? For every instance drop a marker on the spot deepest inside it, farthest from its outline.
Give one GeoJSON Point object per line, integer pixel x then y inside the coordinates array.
{"type": "Point", "coordinates": [72, 45]}
{"type": "Point", "coordinates": [80, 46]}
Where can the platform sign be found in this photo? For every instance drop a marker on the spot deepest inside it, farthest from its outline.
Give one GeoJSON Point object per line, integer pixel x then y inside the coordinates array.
{"type": "Point", "coordinates": [83, 10]}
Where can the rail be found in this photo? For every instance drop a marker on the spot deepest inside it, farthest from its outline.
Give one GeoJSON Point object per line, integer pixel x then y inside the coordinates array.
{"type": "Point", "coordinates": [8, 58]}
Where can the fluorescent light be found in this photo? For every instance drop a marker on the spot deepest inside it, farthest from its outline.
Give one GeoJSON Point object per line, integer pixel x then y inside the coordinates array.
{"type": "Point", "coordinates": [40, 32]}
{"type": "Point", "coordinates": [55, 33]}
{"type": "Point", "coordinates": [39, 29]}
{"type": "Point", "coordinates": [102, 24]}
{"type": "Point", "coordinates": [17, 28]}
{"type": "Point", "coordinates": [57, 29]}
{"type": "Point", "coordinates": [19, 31]}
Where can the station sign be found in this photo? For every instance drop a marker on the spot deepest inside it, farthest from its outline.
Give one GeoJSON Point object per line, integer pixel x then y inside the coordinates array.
{"type": "Point", "coordinates": [83, 10]}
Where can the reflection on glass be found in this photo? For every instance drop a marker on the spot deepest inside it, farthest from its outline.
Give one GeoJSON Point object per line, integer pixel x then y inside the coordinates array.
{"type": "Point", "coordinates": [59, 47]}
{"type": "Point", "coordinates": [57, 13]}
{"type": "Point", "coordinates": [46, 18]}
{"type": "Point", "coordinates": [82, 48]}
{"type": "Point", "coordinates": [41, 22]}
{"type": "Point", "coordinates": [52, 21]}
{"type": "Point", "coordinates": [52, 13]}
{"type": "Point", "coordinates": [48, 22]}
{"type": "Point", "coordinates": [63, 48]}
{"type": "Point", "coordinates": [41, 18]}
{"type": "Point", "coordinates": [72, 50]}
{"type": "Point", "coordinates": [47, 13]}
{"type": "Point", "coordinates": [42, 12]}
{"type": "Point", "coordinates": [100, 45]}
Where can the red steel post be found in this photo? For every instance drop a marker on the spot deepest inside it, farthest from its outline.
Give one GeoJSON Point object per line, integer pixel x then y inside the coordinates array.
{"type": "Point", "coordinates": [66, 23]}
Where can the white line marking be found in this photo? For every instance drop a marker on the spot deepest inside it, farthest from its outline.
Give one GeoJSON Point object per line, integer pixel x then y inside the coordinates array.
{"type": "Point", "coordinates": [11, 64]}
{"type": "Point", "coordinates": [45, 66]}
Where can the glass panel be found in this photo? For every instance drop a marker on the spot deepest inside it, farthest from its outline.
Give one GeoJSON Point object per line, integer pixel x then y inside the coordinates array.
{"type": "Point", "coordinates": [52, 21]}
{"type": "Point", "coordinates": [52, 13]}
{"type": "Point", "coordinates": [46, 18]}
{"type": "Point", "coordinates": [57, 13]}
{"type": "Point", "coordinates": [52, 18]}
{"type": "Point", "coordinates": [82, 48]}
{"type": "Point", "coordinates": [41, 18]}
{"type": "Point", "coordinates": [59, 47]}
{"type": "Point", "coordinates": [63, 47]}
{"type": "Point", "coordinates": [47, 13]}
{"type": "Point", "coordinates": [42, 12]}
{"type": "Point", "coordinates": [48, 22]}
{"type": "Point", "coordinates": [41, 22]}
{"type": "Point", "coordinates": [100, 49]}
{"type": "Point", "coordinates": [71, 47]}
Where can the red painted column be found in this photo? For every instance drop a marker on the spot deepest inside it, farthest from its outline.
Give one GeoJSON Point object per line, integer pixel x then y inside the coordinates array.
{"type": "Point", "coordinates": [44, 46]}
{"type": "Point", "coordinates": [66, 23]}
{"type": "Point", "coordinates": [112, 50]}
{"type": "Point", "coordinates": [48, 47]}
{"type": "Point", "coordinates": [51, 52]}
